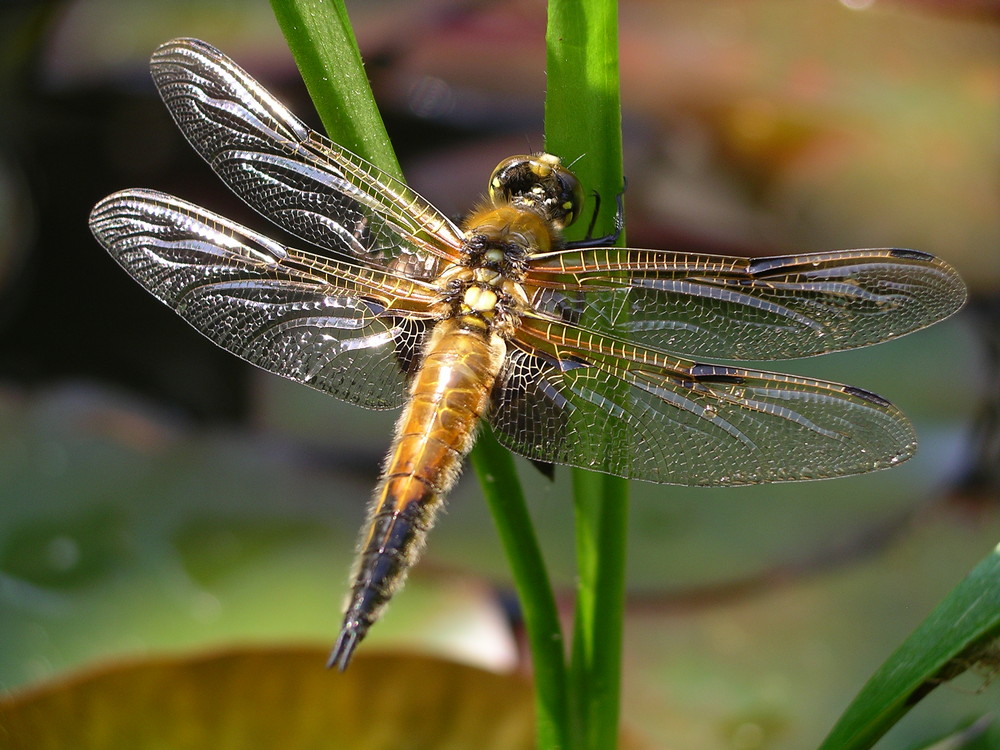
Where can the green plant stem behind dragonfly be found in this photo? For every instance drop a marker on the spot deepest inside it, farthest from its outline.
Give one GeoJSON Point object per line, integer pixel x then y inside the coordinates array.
{"type": "Point", "coordinates": [574, 353]}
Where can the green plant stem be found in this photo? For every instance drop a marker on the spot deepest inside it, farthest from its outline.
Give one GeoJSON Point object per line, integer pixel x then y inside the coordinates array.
{"type": "Point", "coordinates": [494, 466]}
{"type": "Point", "coordinates": [583, 119]}
{"type": "Point", "coordinates": [320, 37]}
{"type": "Point", "coordinates": [601, 515]}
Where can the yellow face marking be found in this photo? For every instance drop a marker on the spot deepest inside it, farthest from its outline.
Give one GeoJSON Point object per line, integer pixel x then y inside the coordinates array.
{"type": "Point", "coordinates": [480, 299]}
{"type": "Point", "coordinates": [543, 164]}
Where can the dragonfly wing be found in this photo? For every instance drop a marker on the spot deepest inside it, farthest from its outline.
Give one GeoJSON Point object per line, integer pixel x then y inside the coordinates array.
{"type": "Point", "coordinates": [747, 308]}
{"type": "Point", "coordinates": [294, 176]}
{"type": "Point", "coordinates": [575, 397]}
{"type": "Point", "coordinates": [326, 324]}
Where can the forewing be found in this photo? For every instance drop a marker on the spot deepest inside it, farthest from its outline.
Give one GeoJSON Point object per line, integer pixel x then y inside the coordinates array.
{"type": "Point", "coordinates": [349, 331]}
{"type": "Point", "coordinates": [294, 176]}
{"type": "Point", "coordinates": [579, 398]}
{"type": "Point", "coordinates": [746, 308]}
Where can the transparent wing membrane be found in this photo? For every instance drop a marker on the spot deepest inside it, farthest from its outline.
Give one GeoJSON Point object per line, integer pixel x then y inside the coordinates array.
{"type": "Point", "coordinates": [294, 176]}
{"type": "Point", "coordinates": [747, 308]}
{"type": "Point", "coordinates": [587, 400]}
{"type": "Point", "coordinates": [329, 325]}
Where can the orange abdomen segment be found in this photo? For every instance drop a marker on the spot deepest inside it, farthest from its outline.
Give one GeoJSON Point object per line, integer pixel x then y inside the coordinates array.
{"type": "Point", "coordinates": [448, 397]}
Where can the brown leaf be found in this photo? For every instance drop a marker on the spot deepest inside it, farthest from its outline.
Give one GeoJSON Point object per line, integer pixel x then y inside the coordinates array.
{"type": "Point", "coordinates": [273, 698]}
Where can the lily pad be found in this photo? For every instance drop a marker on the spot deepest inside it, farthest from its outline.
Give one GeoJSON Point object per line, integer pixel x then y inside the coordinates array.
{"type": "Point", "coordinates": [279, 697]}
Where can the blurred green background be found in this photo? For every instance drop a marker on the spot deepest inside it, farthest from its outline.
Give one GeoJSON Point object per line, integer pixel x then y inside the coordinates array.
{"type": "Point", "coordinates": [158, 496]}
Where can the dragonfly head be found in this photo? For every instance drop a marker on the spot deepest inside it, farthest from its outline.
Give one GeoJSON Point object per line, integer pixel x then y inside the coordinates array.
{"type": "Point", "coordinates": [538, 183]}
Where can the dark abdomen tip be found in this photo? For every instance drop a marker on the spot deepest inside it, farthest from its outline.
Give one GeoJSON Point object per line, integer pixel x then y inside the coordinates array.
{"type": "Point", "coordinates": [348, 640]}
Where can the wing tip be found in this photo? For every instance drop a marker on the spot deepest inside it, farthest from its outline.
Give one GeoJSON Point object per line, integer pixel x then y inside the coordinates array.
{"type": "Point", "coordinates": [188, 43]}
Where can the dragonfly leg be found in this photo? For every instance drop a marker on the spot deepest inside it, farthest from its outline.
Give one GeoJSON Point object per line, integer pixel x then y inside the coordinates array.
{"type": "Point", "coordinates": [607, 239]}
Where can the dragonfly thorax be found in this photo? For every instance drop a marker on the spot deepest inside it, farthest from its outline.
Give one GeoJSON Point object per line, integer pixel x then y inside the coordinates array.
{"type": "Point", "coordinates": [486, 287]}
{"type": "Point", "coordinates": [484, 297]}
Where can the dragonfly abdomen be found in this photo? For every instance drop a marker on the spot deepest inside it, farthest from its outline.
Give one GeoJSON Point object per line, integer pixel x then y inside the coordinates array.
{"type": "Point", "coordinates": [449, 395]}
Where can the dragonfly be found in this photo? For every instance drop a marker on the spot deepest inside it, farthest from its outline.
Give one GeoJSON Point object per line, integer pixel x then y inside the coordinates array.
{"type": "Point", "coordinates": [576, 353]}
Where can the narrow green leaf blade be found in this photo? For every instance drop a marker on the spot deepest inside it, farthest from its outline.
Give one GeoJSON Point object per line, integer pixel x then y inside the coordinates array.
{"type": "Point", "coordinates": [498, 478]}
{"type": "Point", "coordinates": [962, 630]}
{"type": "Point", "coordinates": [583, 127]}
{"type": "Point", "coordinates": [320, 37]}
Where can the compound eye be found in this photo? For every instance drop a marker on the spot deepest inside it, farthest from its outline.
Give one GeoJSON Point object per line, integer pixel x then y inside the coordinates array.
{"type": "Point", "coordinates": [570, 198]}
{"type": "Point", "coordinates": [540, 182]}
{"type": "Point", "coordinates": [512, 176]}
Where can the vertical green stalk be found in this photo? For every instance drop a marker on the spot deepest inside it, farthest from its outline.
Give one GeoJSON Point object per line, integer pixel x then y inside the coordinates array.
{"type": "Point", "coordinates": [494, 466]}
{"type": "Point", "coordinates": [601, 515]}
{"type": "Point", "coordinates": [320, 37]}
{"type": "Point", "coordinates": [583, 120]}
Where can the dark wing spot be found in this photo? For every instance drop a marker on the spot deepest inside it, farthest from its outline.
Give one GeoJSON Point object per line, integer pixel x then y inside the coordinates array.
{"type": "Point", "coordinates": [866, 395]}
{"type": "Point", "coordinates": [716, 374]}
{"type": "Point", "coordinates": [902, 252]}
